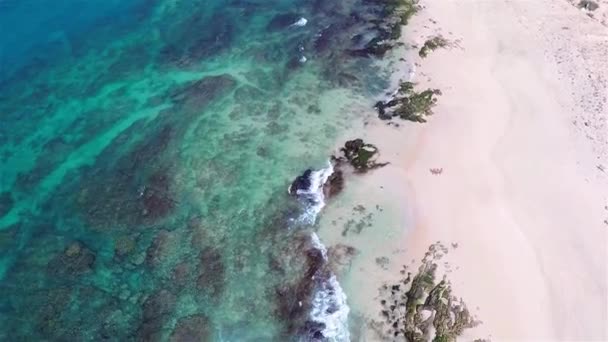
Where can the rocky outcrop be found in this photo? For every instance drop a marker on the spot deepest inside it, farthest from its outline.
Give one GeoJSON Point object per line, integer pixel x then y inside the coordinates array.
{"type": "Point", "coordinates": [420, 308]}
{"type": "Point", "coordinates": [408, 104]}
{"type": "Point", "coordinates": [302, 182]}
{"type": "Point", "coordinates": [360, 155]}
{"type": "Point", "coordinates": [334, 184]}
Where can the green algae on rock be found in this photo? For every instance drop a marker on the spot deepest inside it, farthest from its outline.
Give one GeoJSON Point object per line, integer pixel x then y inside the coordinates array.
{"type": "Point", "coordinates": [397, 14]}
{"type": "Point", "coordinates": [360, 155]}
{"type": "Point", "coordinates": [409, 104]}
{"type": "Point", "coordinates": [432, 44]}
{"type": "Point", "coordinates": [407, 9]}
{"type": "Point", "coordinates": [422, 308]}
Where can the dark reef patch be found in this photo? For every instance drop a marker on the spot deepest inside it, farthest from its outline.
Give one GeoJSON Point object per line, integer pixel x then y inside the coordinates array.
{"type": "Point", "coordinates": [181, 274]}
{"type": "Point", "coordinates": [6, 203]}
{"type": "Point", "coordinates": [211, 272]}
{"type": "Point", "coordinates": [282, 21]}
{"type": "Point", "coordinates": [193, 96]}
{"type": "Point", "coordinates": [293, 298]}
{"type": "Point", "coordinates": [247, 93]}
{"type": "Point", "coordinates": [157, 199]}
{"type": "Point", "coordinates": [158, 250]}
{"type": "Point", "coordinates": [75, 260]}
{"type": "Point", "coordinates": [135, 189]}
{"type": "Point", "coordinates": [193, 328]}
{"type": "Point", "coordinates": [8, 236]}
{"type": "Point", "coordinates": [155, 311]}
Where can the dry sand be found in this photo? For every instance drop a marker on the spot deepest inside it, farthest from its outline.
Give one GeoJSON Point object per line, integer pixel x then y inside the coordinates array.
{"type": "Point", "coordinates": [521, 134]}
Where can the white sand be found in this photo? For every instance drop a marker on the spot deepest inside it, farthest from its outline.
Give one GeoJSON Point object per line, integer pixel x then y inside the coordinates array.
{"type": "Point", "coordinates": [520, 189]}
{"type": "Point", "coordinates": [521, 135]}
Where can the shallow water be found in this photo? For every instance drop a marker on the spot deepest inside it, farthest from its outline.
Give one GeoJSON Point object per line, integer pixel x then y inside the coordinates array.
{"type": "Point", "coordinates": [146, 148]}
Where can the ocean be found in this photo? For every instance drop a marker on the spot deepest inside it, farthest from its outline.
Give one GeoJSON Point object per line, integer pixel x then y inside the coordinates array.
{"type": "Point", "coordinates": [146, 151]}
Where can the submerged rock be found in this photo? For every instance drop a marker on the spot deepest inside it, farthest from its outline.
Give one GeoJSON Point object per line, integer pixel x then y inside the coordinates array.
{"type": "Point", "coordinates": [8, 236]}
{"type": "Point", "coordinates": [180, 275]}
{"type": "Point", "coordinates": [76, 259]}
{"type": "Point", "coordinates": [374, 48]}
{"type": "Point", "coordinates": [156, 198]}
{"type": "Point", "coordinates": [293, 300]}
{"type": "Point", "coordinates": [340, 256]}
{"type": "Point", "coordinates": [197, 94]}
{"type": "Point", "coordinates": [6, 203]}
{"type": "Point", "coordinates": [132, 189]}
{"type": "Point", "coordinates": [158, 249]}
{"type": "Point", "coordinates": [123, 246]}
{"type": "Point", "coordinates": [334, 184]}
{"type": "Point", "coordinates": [48, 305]}
{"type": "Point", "coordinates": [155, 310]}
{"type": "Point", "coordinates": [193, 328]}
{"type": "Point", "coordinates": [211, 271]}
{"type": "Point", "coordinates": [301, 182]}
{"type": "Point", "coordinates": [247, 93]}
{"type": "Point", "coordinates": [282, 21]}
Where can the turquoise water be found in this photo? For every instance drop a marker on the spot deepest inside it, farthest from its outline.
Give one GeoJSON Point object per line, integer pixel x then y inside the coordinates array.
{"type": "Point", "coordinates": [146, 147]}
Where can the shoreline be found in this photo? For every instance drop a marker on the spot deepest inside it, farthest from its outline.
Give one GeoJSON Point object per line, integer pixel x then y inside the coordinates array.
{"type": "Point", "coordinates": [522, 194]}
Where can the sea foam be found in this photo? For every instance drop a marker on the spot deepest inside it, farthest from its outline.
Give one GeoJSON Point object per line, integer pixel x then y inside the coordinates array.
{"type": "Point", "coordinates": [313, 197]}
{"type": "Point", "coordinates": [301, 22]}
{"type": "Point", "coordinates": [329, 307]}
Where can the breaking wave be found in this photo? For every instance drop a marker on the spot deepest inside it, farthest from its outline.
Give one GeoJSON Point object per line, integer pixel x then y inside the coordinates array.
{"type": "Point", "coordinates": [328, 318]}
{"type": "Point", "coordinates": [308, 188]}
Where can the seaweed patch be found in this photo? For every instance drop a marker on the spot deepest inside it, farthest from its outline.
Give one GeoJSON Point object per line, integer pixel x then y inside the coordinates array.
{"type": "Point", "coordinates": [360, 155]}
{"type": "Point", "coordinates": [422, 308]}
{"type": "Point", "coordinates": [432, 44]}
{"type": "Point", "coordinates": [408, 104]}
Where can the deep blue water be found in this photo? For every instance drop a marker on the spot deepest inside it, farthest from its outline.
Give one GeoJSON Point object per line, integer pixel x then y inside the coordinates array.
{"type": "Point", "coordinates": [35, 29]}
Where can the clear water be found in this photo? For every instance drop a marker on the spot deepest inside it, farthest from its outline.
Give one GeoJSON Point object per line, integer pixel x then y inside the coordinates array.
{"type": "Point", "coordinates": [146, 147]}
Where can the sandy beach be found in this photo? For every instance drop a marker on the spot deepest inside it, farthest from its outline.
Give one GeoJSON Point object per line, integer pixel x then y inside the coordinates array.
{"type": "Point", "coordinates": [521, 136]}
{"type": "Point", "coordinates": [522, 192]}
